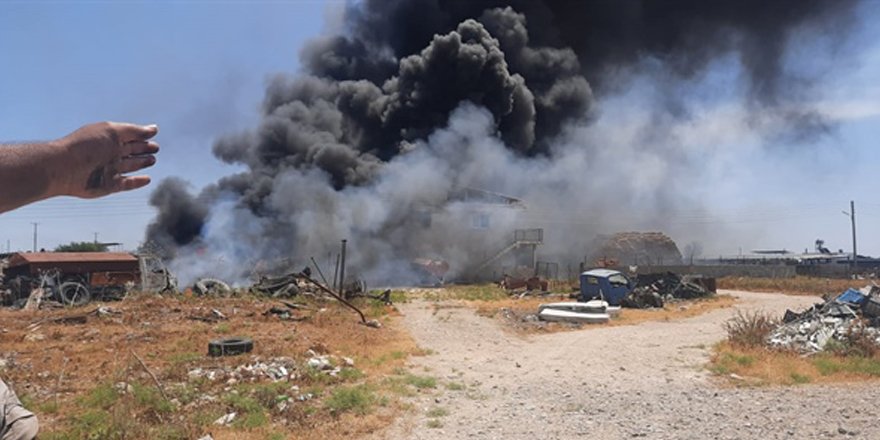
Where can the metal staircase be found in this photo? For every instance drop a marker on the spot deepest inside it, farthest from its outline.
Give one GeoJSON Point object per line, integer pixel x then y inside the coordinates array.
{"type": "Point", "coordinates": [521, 238]}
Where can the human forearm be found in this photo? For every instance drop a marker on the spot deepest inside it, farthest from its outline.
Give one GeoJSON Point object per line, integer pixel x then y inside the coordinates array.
{"type": "Point", "coordinates": [27, 173]}
{"type": "Point", "coordinates": [93, 161]}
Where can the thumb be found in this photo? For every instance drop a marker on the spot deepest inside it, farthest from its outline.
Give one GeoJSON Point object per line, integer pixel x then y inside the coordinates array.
{"type": "Point", "coordinates": [133, 132]}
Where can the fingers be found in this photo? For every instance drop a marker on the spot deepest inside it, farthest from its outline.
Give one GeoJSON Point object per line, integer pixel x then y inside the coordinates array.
{"type": "Point", "coordinates": [140, 147]}
{"type": "Point", "coordinates": [121, 183]}
{"type": "Point", "coordinates": [133, 132]}
{"type": "Point", "coordinates": [134, 163]}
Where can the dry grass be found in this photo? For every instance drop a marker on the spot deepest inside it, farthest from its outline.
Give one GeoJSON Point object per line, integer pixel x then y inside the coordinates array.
{"type": "Point", "coordinates": [750, 329]}
{"type": "Point", "coordinates": [75, 367]}
{"type": "Point", "coordinates": [793, 286]}
{"type": "Point", "coordinates": [759, 366]}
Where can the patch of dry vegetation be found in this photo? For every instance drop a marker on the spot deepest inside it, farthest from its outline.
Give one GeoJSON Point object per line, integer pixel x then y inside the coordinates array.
{"type": "Point", "coordinates": [758, 366]}
{"type": "Point", "coordinates": [88, 370]}
{"type": "Point", "coordinates": [745, 359]}
{"type": "Point", "coordinates": [799, 285]}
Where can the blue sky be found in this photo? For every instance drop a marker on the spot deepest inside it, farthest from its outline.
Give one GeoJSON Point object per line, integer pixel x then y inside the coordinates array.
{"type": "Point", "coordinates": [198, 69]}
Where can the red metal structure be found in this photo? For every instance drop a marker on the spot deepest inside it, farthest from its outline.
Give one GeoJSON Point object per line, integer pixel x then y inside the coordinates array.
{"type": "Point", "coordinates": [75, 276]}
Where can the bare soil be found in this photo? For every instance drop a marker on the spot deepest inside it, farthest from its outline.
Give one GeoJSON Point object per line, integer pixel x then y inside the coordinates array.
{"type": "Point", "coordinates": [646, 380]}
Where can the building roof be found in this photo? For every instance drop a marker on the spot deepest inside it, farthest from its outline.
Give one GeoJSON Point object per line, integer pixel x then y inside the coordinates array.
{"type": "Point", "coordinates": [476, 195]}
{"type": "Point", "coordinates": [20, 259]}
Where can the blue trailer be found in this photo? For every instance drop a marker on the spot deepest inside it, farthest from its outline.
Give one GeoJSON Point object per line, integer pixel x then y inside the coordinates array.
{"type": "Point", "coordinates": [605, 284]}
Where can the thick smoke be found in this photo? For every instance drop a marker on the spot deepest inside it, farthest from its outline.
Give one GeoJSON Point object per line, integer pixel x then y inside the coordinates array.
{"type": "Point", "coordinates": [419, 100]}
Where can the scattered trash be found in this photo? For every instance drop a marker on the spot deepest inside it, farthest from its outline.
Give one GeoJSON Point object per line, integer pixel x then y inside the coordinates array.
{"type": "Point", "coordinates": [230, 346]}
{"type": "Point", "coordinates": [811, 330]}
{"type": "Point", "coordinates": [282, 314]}
{"type": "Point", "coordinates": [274, 369]}
{"type": "Point", "coordinates": [225, 420]}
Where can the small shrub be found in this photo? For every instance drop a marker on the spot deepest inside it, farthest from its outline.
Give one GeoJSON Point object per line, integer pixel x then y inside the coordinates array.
{"type": "Point", "coordinates": [268, 394]}
{"type": "Point", "coordinates": [437, 412]}
{"type": "Point", "coordinates": [358, 399]}
{"type": "Point", "coordinates": [150, 399]}
{"type": "Point", "coordinates": [251, 411]}
{"type": "Point", "coordinates": [455, 386]}
{"type": "Point", "coordinates": [434, 424]}
{"type": "Point", "coordinates": [421, 382]}
{"type": "Point", "coordinates": [799, 378]}
{"type": "Point", "coordinates": [750, 329]}
{"type": "Point", "coordinates": [49, 407]}
{"type": "Point", "coordinates": [867, 366]}
{"type": "Point", "coordinates": [103, 397]}
{"type": "Point", "coordinates": [827, 365]}
{"type": "Point", "coordinates": [350, 374]}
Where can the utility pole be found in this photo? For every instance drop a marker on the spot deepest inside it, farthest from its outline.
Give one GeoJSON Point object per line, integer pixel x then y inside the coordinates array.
{"type": "Point", "coordinates": [852, 217]}
{"type": "Point", "coordinates": [96, 238]}
{"type": "Point", "coordinates": [35, 235]}
{"type": "Point", "coordinates": [852, 209]}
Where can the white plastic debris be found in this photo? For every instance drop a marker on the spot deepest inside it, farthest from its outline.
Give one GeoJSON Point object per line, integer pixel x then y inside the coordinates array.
{"type": "Point", "coordinates": [225, 420]}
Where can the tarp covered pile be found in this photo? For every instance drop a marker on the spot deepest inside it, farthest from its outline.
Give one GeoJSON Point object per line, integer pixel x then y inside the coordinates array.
{"type": "Point", "coordinates": [811, 330]}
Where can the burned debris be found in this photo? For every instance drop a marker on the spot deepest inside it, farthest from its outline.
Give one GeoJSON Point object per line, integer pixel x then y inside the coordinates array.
{"type": "Point", "coordinates": [45, 279]}
{"type": "Point", "coordinates": [836, 321]}
{"type": "Point", "coordinates": [654, 290]}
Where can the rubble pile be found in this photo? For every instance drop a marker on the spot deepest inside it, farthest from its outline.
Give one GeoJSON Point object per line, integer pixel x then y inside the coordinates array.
{"type": "Point", "coordinates": [275, 369]}
{"type": "Point", "coordinates": [653, 248]}
{"type": "Point", "coordinates": [655, 289]}
{"type": "Point", "coordinates": [810, 331]}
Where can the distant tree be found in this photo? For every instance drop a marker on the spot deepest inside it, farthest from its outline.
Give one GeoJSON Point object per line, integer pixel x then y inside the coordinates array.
{"type": "Point", "coordinates": [82, 246]}
{"type": "Point", "coordinates": [692, 250]}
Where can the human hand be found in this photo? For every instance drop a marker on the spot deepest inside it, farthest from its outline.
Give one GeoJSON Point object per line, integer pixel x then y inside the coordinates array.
{"type": "Point", "coordinates": [95, 158]}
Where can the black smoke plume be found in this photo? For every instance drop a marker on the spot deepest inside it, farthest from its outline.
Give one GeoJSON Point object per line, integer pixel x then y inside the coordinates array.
{"type": "Point", "coordinates": [334, 154]}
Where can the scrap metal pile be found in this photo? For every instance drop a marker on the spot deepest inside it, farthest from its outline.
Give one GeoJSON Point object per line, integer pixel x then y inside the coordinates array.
{"type": "Point", "coordinates": [810, 331]}
{"type": "Point", "coordinates": [656, 289]}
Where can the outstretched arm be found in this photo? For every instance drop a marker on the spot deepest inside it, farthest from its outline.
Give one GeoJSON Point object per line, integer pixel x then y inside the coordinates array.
{"type": "Point", "coordinates": [90, 162]}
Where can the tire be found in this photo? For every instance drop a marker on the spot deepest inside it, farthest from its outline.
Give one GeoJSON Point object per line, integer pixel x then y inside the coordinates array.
{"type": "Point", "coordinates": [74, 294]}
{"type": "Point", "coordinates": [230, 346]}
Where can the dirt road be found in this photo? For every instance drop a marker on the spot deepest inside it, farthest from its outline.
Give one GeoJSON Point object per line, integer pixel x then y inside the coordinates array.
{"type": "Point", "coordinates": [641, 381]}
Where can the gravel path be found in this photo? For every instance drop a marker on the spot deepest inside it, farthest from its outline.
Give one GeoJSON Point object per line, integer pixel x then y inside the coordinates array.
{"type": "Point", "coordinates": [639, 381]}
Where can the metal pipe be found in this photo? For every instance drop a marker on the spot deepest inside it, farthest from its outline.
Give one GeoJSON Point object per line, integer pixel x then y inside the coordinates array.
{"type": "Point", "coordinates": [334, 295]}
{"type": "Point", "coordinates": [336, 273]}
{"type": "Point", "coordinates": [318, 268]}
{"type": "Point", "coordinates": [342, 269]}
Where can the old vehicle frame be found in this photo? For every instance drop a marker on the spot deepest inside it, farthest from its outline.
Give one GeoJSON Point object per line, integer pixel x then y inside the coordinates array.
{"type": "Point", "coordinates": [73, 278]}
